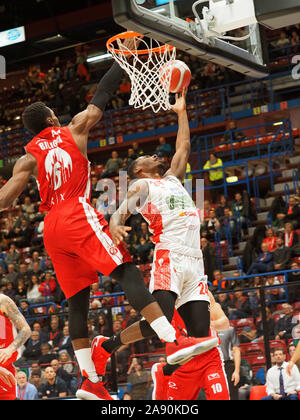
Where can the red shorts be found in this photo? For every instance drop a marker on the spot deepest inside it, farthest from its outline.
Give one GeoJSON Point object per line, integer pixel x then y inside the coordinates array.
{"type": "Point", "coordinates": [79, 243]}
{"type": "Point", "coordinates": [8, 394]}
{"type": "Point", "coordinates": [205, 371]}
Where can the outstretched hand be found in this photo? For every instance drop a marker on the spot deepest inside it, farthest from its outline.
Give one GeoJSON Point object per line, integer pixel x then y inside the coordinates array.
{"type": "Point", "coordinates": [129, 43]}
{"type": "Point", "coordinates": [180, 104]}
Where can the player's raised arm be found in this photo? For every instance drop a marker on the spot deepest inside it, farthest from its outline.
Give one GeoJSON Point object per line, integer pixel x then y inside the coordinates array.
{"type": "Point", "coordinates": [136, 198]}
{"type": "Point", "coordinates": [83, 122]}
{"type": "Point", "coordinates": [183, 142]}
{"type": "Point", "coordinates": [10, 310]}
{"type": "Point", "coordinates": [23, 169]}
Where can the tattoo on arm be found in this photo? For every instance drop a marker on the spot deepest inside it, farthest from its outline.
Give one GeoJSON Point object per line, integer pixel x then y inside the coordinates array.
{"type": "Point", "coordinates": [12, 312]}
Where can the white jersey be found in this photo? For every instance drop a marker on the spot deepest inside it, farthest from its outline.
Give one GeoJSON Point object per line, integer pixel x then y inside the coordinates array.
{"type": "Point", "coordinates": [172, 217]}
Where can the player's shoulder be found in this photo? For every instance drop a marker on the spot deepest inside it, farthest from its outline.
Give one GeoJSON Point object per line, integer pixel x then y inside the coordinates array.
{"type": "Point", "coordinates": [139, 185]}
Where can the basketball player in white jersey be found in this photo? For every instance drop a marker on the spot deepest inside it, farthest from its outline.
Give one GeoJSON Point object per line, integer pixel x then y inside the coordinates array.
{"type": "Point", "coordinates": [177, 278]}
{"type": "Point", "coordinates": [14, 332]}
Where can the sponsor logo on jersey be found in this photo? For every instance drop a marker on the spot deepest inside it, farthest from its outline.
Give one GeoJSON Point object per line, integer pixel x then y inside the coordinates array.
{"type": "Point", "coordinates": [58, 166]}
{"type": "Point", "coordinates": [113, 251]}
{"type": "Point", "coordinates": [213, 376]}
{"type": "Point", "coordinates": [172, 385]}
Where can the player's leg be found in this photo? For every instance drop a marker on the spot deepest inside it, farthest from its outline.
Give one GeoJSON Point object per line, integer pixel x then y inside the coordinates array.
{"type": "Point", "coordinates": [102, 347]}
{"type": "Point", "coordinates": [214, 379]}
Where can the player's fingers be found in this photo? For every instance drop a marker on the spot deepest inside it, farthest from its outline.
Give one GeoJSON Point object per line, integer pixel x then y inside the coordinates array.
{"type": "Point", "coordinates": [11, 380]}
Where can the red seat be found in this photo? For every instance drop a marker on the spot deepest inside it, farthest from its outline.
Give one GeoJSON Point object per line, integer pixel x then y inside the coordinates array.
{"type": "Point", "coordinates": [252, 349]}
{"type": "Point", "coordinates": [258, 392]}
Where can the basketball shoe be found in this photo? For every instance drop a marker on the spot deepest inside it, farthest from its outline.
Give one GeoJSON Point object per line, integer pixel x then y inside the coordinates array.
{"type": "Point", "coordinates": [99, 355]}
{"type": "Point", "coordinates": [188, 347]}
{"type": "Point", "coordinates": [160, 382]}
{"type": "Point", "coordinates": [92, 391]}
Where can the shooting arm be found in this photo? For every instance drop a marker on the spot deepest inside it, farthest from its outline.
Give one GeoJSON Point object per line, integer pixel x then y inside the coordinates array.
{"type": "Point", "coordinates": [183, 142]}
{"type": "Point", "coordinates": [9, 309]}
{"type": "Point", "coordinates": [24, 168]}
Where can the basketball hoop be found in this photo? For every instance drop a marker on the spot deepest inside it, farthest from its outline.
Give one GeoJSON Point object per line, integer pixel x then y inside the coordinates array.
{"type": "Point", "coordinates": [143, 65]}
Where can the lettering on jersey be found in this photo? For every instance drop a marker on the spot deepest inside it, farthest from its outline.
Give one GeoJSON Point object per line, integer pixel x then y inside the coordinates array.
{"type": "Point", "coordinates": [46, 145]}
{"type": "Point", "coordinates": [180, 202]}
{"type": "Point", "coordinates": [58, 165]}
{"type": "Point", "coordinates": [172, 385]}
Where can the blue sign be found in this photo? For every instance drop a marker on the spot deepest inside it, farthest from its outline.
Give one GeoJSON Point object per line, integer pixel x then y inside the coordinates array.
{"type": "Point", "coordinates": [13, 34]}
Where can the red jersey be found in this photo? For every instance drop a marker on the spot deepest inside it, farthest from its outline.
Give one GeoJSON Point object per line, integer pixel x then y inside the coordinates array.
{"type": "Point", "coordinates": [63, 172]}
{"type": "Point", "coordinates": [7, 336]}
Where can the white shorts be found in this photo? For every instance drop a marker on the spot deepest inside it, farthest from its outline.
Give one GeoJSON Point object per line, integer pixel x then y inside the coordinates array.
{"type": "Point", "coordinates": [180, 274]}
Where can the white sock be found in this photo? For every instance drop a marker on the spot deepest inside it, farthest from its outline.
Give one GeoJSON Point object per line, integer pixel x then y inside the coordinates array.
{"type": "Point", "coordinates": [164, 329]}
{"type": "Point", "coordinates": [86, 364]}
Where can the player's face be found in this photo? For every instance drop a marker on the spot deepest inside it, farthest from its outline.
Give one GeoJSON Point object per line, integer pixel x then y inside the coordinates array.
{"type": "Point", "coordinates": [151, 164]}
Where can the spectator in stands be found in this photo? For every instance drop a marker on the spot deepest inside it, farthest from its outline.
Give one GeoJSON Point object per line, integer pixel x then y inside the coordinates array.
{"type": "Point", "coordinates": [283, 40]}
{"type": "Point", "coordinates": [24, 308]}
{"type": "Point", "coordinates": [281, 386]}
{"type": "Point", "coordinates": [28, 208]}
{"type": "Point", "coordinates": [10, 291]}
{"type": "Point", "coordinates": [260, 328]}
{"type": "Point", "coordinates": [228, 225]}
{"type": "Point", "coordinates": [137, 150]}
{"type": "Point", "coordinates": [64, 375]}
{"type": "Point", "coordinates": [281, 256]}
{"type": "Point", "coordinates": [225, 302]}
{"type": "Point", "coordinates": [25, 390]}
{"type": "Point", "coordinates": [223, 204]}
{"type": "Point", "coordinates": [12, 274]}
{"type": "Point", "coordinates": [264, 263]}
{"type": "Point", "coordinates": [271, 239]}
{"type": "Point", "coordinates": [47, 354]}
{"type": "Point", "coordinates": [138, 378]}
{"type": "Point", "coordinates": [112, 166]}
{"type": "Point", "coordinates": [163, 150]}
{"type": "Point", "coordinates": [217, 282]}
{"type": "Point", "coordinates": [291, 214]}
{"type": "Point", "coordinates": [291, 239]}
{"type": "Point", "coordinates": [65, 343]}
{"type": "Point", "coordinates": [233, 135]}
{"type": "Point", "coordinates": [140, 347]}
{"type": "Point", "coordinates": [23, 239]}
{"type": "Point", "coordinates": [142, 251]}
{"type": "Point", "coordinates": [55, 335]}
{"type": "Point", "coordinates": [285, 325]}
{"type": "Point", "coordinates": [21, 291]}
{"type": "Point", "coordinates": [294, 289]}
{"type": "Point", "coordinates": [209, 256]}
{"type": "Point", "coordinates": [36, 379]}
{"type": "Point", "coordinates": [36, 270]}
{"type": "Point", "coordinates": [43, 335]}
{"type": "Point", "coordinates": [33, 294]}
{"type": "Point", "coordinates": [241, 308]}
{"type": "Point", "coordinates": [211, 226]}
{"type": "Point", "coordinates": [48, 286]}
{"type": "Point", "coordinates": [35, 258]}
{"type": "Point", "coordinates": [216, 176]}
{"type": "Point", "coordinates": [102, 327]}
{"type": "Point", "coordinates": [13, 256]}
{"type": "Point", "coordinates": [54, 387]}
{"type": "Point", "coordinates": [240, 211]}
{"type": "Point", "coordinates": [32, 350]}
{"type": "Point", "coordinates": [23, 274]}
{"type": "Point", "coordinates": [274, 294]}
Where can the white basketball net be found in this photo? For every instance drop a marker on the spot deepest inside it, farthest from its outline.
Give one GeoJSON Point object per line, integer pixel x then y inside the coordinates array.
{"type": "Point", "coordinates": [148, 89]}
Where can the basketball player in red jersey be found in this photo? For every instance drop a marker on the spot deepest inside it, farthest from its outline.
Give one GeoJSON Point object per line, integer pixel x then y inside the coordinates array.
{"type": "Point", "coordinates": [14, 332]}
{"type": "Point", "coordinates": [204, 371]}
{"type": "Point", "coordinates": [77, 237]}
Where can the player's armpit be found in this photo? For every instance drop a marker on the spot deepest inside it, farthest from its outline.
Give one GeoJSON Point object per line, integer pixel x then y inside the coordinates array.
{"type": "Point", "coordinates": [25, 167]}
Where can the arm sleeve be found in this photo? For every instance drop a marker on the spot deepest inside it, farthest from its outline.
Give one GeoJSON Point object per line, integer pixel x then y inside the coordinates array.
{"type": "Point", "coordinates": [108, 86]}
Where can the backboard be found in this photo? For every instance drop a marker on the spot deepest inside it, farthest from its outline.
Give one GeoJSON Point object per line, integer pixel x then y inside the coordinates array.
{"type": "Point", "coordinates": [203, 28]}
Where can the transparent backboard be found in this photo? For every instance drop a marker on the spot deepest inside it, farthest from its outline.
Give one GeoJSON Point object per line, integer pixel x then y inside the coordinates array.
{"type": "Point", "coordinates": [204, 28]}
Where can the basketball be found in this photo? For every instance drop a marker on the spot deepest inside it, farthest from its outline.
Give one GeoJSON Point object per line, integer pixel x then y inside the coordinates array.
{"type": "Point", "coordinates": [180, 74]}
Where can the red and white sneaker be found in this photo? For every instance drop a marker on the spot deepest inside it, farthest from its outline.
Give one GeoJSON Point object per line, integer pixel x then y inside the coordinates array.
{"type": "Point", "coordinates": [160, 382]}
{"type": "Point", "coordinates": [91, 391]}
{"type": "Point", "coordinates": [99, 355]}
{"type": "Point", "coordinates": [189, 347]}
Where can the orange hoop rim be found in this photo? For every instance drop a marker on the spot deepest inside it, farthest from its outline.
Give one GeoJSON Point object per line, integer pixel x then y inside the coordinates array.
{"type": "Point", "coordinates": [131, 34]}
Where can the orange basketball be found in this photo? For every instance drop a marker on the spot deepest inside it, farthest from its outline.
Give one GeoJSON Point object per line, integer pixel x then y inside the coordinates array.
{"type": "Point", "coordinates": [180, 74]}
